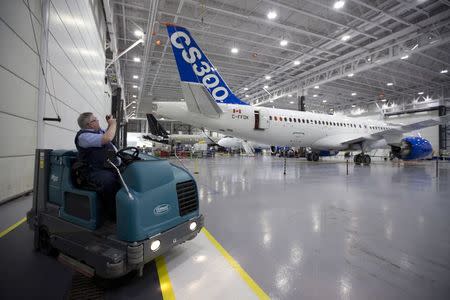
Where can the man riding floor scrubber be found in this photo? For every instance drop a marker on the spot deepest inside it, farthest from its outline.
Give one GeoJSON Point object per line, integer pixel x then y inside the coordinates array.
{"type": "Point", "coordinates": [156, 209]}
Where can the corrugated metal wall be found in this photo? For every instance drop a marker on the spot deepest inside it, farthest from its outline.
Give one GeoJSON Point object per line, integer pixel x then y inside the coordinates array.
{"type": "Point", "coordinates": [75, 79]}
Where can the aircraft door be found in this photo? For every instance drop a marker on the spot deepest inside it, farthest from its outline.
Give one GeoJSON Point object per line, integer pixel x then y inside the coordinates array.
{"type": "Point", "coordinates": [261, 121]}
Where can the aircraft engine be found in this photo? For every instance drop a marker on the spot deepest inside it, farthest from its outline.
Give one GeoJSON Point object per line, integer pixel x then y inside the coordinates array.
{"type": "Point", "coordinates": [412, 147]}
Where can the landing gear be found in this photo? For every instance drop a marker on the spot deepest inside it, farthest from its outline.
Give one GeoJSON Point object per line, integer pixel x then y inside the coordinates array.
{"type": "Point", "coordinates": [362, 159]}
{"type": "Point", "coordinates": [312, 156]}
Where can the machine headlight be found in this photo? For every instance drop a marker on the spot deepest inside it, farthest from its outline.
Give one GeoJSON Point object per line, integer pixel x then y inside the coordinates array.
{"type": "Point", "coordinates": [155, 245]}
{"type": "Point", "coordinates": [192, 226]}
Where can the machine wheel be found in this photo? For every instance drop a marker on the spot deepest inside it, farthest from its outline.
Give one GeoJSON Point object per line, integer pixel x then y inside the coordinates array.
{"type": "Point", "coordinates": [366, 159]}
{"type": "Point", "coordinates": [358, 159]}
{"type": "Point", "coordinates": [315, 156]}
{"type": "Point", "coordinates": [308, 157]}
{"type": "Point", "coordinates": [45, 245]}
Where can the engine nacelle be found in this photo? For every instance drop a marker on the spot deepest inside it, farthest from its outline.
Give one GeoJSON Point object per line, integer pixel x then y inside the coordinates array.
{"type": "Point", "coordinates": [328, 153]}
{"type": "Point", "coordinates": [412, 147]}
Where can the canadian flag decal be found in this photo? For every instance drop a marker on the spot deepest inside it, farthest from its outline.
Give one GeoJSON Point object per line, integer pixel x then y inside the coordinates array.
{"type": "Point", "coordinates": [236, 111]}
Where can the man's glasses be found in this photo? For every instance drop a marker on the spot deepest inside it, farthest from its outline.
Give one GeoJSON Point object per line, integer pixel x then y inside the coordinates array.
{"type": "Point", "coordinates": [95, 120]}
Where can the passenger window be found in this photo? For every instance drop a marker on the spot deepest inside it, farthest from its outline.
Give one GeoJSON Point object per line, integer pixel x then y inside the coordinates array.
{"type": "Point", "coordinates": [307, 121]}
{"type": "Point", "coordinates": [270, 117]}
{"type": "Point", "coordinates": [295, 120]}
{"type": "Point", "coordinates": [275, 118]}
{"type": "Point", "coordinates": [315, 121]}
{"type": "Point", "coordinates": [290, 119]}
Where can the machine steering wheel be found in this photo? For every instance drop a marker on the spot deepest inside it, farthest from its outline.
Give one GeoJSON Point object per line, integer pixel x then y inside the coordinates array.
{"type": "Point", "coordinates": [127, 157]}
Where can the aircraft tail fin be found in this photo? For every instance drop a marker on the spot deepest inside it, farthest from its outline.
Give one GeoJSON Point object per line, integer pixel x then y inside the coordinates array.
{"type": "Point", "coordinates": [195, 67]}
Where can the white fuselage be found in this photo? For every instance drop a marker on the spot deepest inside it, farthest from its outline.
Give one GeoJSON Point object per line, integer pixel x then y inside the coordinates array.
{"type": "Point", "coordinates": [281, 127]}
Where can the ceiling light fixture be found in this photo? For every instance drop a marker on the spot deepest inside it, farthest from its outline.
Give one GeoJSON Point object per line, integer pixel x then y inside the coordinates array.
{"type": "Point", "coordinates": [296, 62]}
{"type": "Point", "coordinates": [353, 94]}
{"type": "Point", "coordinates": [404, 56]}
{"type": "Point", "coordinates": [314, 96]}
{"type": "Point", "coordinates": [283, 42]}
{"type": "Point", "coordinates": [316, 87]}
{"type": "Point", "coordinates": [339, 4]}
{"type": "Point", "coordinates": [268, 77]}
{"type": "Point", "coordinates": [271, 101]}
{"type": "Point", "coordinates": [383, 100]}
{"type": "Point", "coordinates": [289, 95]}
{"type": "Point", "coordinates": [345, 38]}
{"type": "Point", "coordinates": [445, 71]}
{"type": "Point", "coordinates": [324, 101]}
{"type": "Point", "coordinates": [137, 59]}
{"type": "Point", "coordinates": [353, 105]}
{"type": "Point", "coordinates": [291, 102]}
{"type": "Point", "coordinates": [135, 86]}
{"type": "Point", "coordinates": [246, 89]}
{"type": "Point", "coordinates": [234, 50]}
{"type": "Point", "coordinates": [389, 84]}
{"type": "Point", "coordinates": [246, 96]}
{"type": "Point", "coordinates": [138, 33]}
{"type": "Point", "coordinates": [271, 15]}
{"type": "Point", "coordinates": [134, 96]}
{"type": "Point", "coordinates": [135, 77]}
{"type": "Point", "coordinates": [350, 75]}
{"type": "Point", "coordinates": [266, 86]}
{"type": "Point", "coordinates": [420, 93]}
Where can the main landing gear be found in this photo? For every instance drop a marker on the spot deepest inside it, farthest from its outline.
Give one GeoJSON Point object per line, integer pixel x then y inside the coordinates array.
{"type": "Point", "coordinates": [312, 156]}
{"type": "Point", "coordinates": [362, 158]}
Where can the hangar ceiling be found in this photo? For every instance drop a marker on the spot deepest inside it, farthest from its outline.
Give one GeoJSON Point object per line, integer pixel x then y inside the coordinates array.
{"type": "Point", "coordinates": [363, 52]}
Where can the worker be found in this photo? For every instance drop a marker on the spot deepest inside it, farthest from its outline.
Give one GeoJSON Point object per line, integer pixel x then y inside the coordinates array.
{"type": "Point", "coordinates": [92, 144]}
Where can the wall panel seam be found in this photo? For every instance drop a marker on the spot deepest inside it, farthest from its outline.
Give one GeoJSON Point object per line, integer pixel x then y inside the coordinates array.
{"type": "Point", "coordinates": [10, 28]}
{"type": "Point", "coordinates": [18, 76]}
{"type": "Point", "coordinates": [17, 116]}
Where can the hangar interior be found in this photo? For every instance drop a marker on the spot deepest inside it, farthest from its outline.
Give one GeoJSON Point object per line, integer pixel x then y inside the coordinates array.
{"type": "Point", "coordinates": [274, 227]}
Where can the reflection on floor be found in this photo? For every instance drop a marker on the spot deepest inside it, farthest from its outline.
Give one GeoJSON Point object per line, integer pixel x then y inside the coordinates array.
{"type": "Point", "coordinates": [315, 233]}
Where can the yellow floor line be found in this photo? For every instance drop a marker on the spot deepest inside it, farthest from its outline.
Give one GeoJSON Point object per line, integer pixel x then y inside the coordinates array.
{"type": "Point", "coordinates": [164, 279]}
{"type": "Point", "coordinates": [12, 227]}
{"type": "Point", "coordinates": [250, 282]}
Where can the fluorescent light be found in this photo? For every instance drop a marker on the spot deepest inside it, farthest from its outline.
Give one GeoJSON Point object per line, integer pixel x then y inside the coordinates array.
{"type": "Point", "coordinates": [271, 101]}
{"type": "Point", "coordinates": [283, 43]}
{"type": "Point", "coordinates": [266, 86]}
{"type": "Point", "coordinates": [420, 93]}
{"type": "Point", "coordinates": [415, 47]}
{"type": "Point", "coordinates": [353, 105]}
{"type": "Point", "coordinates": [246, 96]}
{"type": "Point", "coordinates": [268, 77]}
{"type": "Point", "coordinates": [314, 96]}
{"type": "Point", "coordinates": [137, 59]}
{"type": "Point", "coordinates": [324, 101]}
{"type": "Point", "coordinates": [389, 84]}
{"type": "Point", "coordinates": [134, 96]}
{"type": "Point", "coordinates": [383, 100]}
{"type": "Point", "coordinates": [445, 71]}
{"type": "Point", "coordinates": [138, 33]}
{"type": "Point", "coordinates": [246, 89]}
{"type": "Point", "coordinates": [234, 50]}
{"type": "Point", "coordinates": [316, 87]}
{"type": "Point", "coordinates": [135, 77]}
{"type": "Point", "coordinates": [135, 86]}
{"type": "Point", "coordinates": [345, 38]}
{"type": "Point", "coordinates": [404, 56]}
{"type": "Point", "coordinates": [353, 94]}
{"type": "Point", "coordinates": [182, 99]}
{"type": "Point", "coordinates": [271, 15]}
{"type": "Point", "coordinates": [291, 102]}
{"type": "Point", "coordinates": [339, 4]}
{"type": "Point", "coordinates": [350, 75]}
{"type": "Point", "coordinates": [289, 95]}
{"type": "Point", "coordinates": [296, 62]}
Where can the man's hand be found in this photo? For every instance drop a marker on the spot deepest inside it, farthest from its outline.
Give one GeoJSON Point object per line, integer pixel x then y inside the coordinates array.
{"type": "Point", "coordinates": [108, 136]}
{"type": "Point", "coordinates": [110, 120]}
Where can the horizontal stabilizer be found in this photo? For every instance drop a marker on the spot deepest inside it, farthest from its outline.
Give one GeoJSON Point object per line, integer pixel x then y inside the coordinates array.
{"type": "Point", "coordinates": [199, 100]}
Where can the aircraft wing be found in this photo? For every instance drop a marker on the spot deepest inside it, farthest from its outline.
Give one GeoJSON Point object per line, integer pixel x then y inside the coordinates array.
{"type": "Point", "coordinates": [199, 100]}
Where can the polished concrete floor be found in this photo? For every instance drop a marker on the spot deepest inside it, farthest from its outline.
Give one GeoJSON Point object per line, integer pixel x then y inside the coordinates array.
{"type": "Point", "coordinates": [380, 232]}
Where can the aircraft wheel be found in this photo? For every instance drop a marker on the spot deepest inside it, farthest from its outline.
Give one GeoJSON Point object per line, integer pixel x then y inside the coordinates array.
{"type": "Point", "coordinates": [308, 157]}
{"type": "Point", "coordinates": [358, 159]}
{"type": "Point", "coordinates": [366, 159]}
{"type": "Point", "coordinates": [315, 156]}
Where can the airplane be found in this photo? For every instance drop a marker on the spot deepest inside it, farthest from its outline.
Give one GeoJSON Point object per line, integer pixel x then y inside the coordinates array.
{"type": "Point", "coordinates": [209, 103]}
{"type": "Point", "coordinates": [234, 143]}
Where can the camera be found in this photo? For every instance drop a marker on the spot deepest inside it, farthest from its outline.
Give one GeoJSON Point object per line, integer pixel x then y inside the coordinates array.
{"type": "Point", "coordinates": [108, 117]}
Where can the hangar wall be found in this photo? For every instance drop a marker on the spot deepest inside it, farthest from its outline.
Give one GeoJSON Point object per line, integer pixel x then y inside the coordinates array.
{"type": "Point", "coordinates": [75, 75]}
